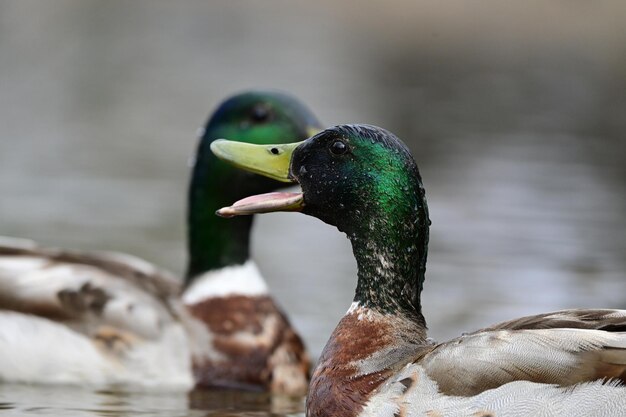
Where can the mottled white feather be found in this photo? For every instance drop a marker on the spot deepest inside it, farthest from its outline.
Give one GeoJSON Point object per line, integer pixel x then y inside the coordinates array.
{"type": "Point", "coordinates": [515, 399]}
{"type": "Point", "coordinates": [97, 319]}
{"type": "Point", "coordinates": [35, 281]}
{"type": "Point", "coordinates": [38, 350]}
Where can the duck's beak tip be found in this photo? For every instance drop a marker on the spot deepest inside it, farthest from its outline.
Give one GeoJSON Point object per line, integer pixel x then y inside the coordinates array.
{"type": "Point", "coordinates": [225, 212]}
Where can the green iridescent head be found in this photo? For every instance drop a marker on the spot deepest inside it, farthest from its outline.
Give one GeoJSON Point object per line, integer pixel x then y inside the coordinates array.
{"type": "Point", "coordinates": [363, 180]}
{"type": "Point", "coordinates": [261, 117]}
{"type": "Point", "coordinates": [257, 117]}
{"type": "Point", "coordinates": [355, 175]}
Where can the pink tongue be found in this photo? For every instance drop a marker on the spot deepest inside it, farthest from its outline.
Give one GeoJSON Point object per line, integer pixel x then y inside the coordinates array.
{"type": "Point", "coordinates": [263, 203]}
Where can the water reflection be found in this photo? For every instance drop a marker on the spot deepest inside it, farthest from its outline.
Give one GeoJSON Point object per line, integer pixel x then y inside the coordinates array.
{"type": "Point", "coordinates": [221, 403]}
{"type": "Point", "coordinates": [25, 400]}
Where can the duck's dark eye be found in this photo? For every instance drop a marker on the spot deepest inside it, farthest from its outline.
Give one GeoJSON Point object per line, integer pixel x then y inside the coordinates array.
{"type": "Point", "coordinates": [338, 147]}
{"type": "Point", "coordinates": [260, 113]}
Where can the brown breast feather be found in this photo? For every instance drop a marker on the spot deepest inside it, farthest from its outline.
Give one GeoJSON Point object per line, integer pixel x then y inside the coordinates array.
{"type": "Point", "coordinates": [246, 332]}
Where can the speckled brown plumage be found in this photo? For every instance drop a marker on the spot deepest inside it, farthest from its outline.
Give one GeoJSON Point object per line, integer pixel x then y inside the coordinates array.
{"type": "Point", "coordinates": [335, 390]}
{"type": "Point", "coordinates": [156, 281]}
{"type": "Point", "coordinates": [255, 343]}
{"type": "Point", "coordinates": [351, 367]}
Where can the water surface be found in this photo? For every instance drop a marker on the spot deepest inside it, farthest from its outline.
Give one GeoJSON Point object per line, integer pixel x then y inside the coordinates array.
{"type": "Point", "coordinates": [24, 400]}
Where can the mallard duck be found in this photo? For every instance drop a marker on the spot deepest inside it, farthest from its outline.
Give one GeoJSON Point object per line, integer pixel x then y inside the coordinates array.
{"type": "Point", "coordinates": [378, 361]}
{"type": "Point", "coordinates": [113, 319]}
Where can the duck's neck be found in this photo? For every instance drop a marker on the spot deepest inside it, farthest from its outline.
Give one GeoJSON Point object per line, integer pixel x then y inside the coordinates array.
{"type": "Point", "coordinates": [213, 242]}
{"type": "Point", "coordinates": [384, 328]}
{"type": "Point", "coordinates": [390, 250]}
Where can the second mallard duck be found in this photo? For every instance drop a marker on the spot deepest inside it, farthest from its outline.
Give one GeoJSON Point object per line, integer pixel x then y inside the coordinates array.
{"type": "Point", "coordinates": [378, 361]}
{"type": "Point", "coordinates": [69, 317]}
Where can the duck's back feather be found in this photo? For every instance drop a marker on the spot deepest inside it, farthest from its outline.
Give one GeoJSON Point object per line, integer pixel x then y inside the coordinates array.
{"type": "Point", "coordinates": [96, 288]}
{"type": "Point", "coordinates": [117, 313]}
{"type": "Point", "coordinates": [606, 319]}
{"type": "Point", "coordinates": [564, 348]}
{"type": "Point", "coordinates": [471, 364]}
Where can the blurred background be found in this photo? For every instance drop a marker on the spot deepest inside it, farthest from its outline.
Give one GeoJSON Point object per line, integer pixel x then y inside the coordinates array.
{"type": "Point", "coordinates": [514, 111]}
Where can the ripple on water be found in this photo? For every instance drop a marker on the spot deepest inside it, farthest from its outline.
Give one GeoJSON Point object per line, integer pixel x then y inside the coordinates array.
{"type": "Point", "coordinates": [68, 401]}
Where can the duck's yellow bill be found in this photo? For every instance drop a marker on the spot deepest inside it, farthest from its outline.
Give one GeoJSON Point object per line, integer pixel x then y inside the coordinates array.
{"type": "Point", "coordinates": [272, 161]}
{"type": "Point", "coordinates": [269, 160]}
